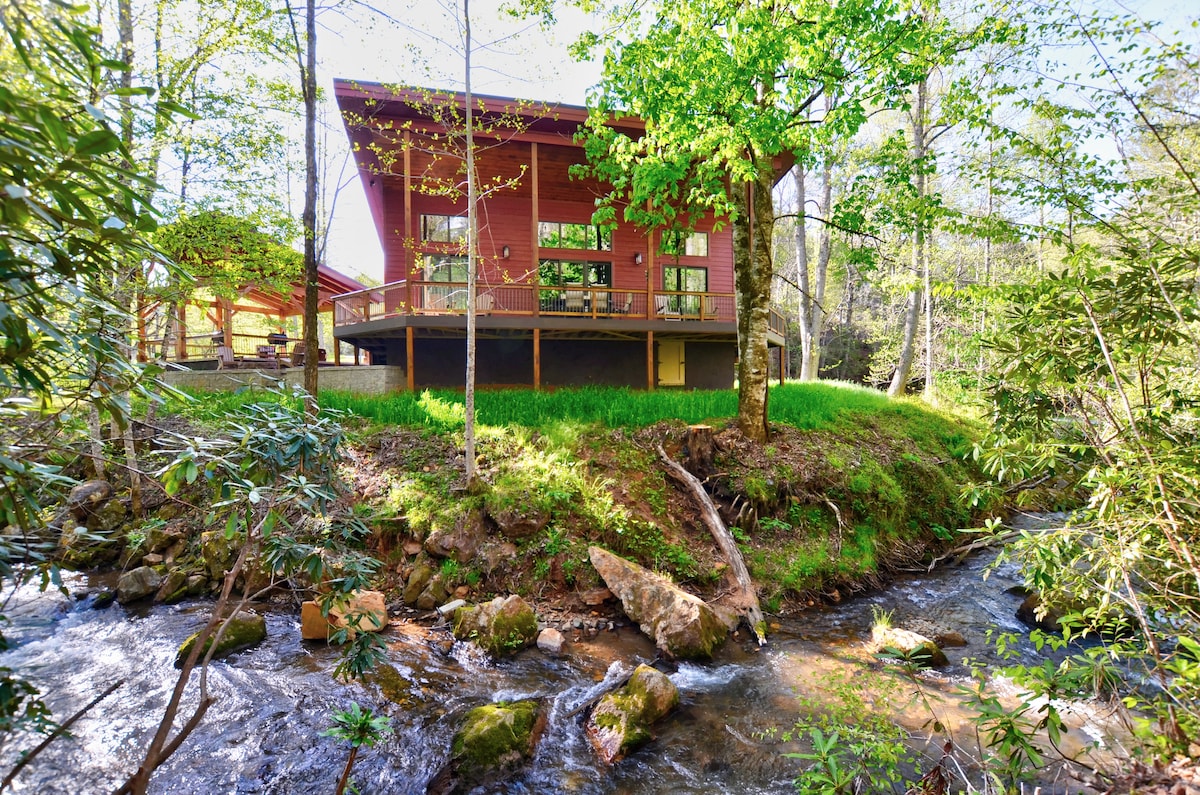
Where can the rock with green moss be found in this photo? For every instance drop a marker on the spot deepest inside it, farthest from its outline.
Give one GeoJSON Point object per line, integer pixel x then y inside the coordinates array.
{"type": "Point", "coordinates": [500, 627]}
{"type": "Point", "coordinates": [495, 740]}
{"type": "Point", "coordinates": [217, 552]}
{"type": "Point", "coordinates": [621, 721]}
{"type": "Point", "coordinates": [245, 630]}
{"type": "Point", "coordinates": [886, 639]}
{"type": "Point", "coordinates": [422, 573]}
{"type": "Point", "coordinates": [173, 588]}
{"type": "Point", "coordinates": [137, 584]}
{"type": "Point", "coordinates": [681, 624]}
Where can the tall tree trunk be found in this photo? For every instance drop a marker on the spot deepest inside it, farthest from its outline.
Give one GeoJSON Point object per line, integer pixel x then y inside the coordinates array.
{"type": "Point", "coordinates": [804, 297]}
{"type": "Point", "coordinates": [308, 73]}
{"type": "Point", "coordinates": [912, 317]}
{"type": "Point", "coordinates": [753, 235]}
{"type": "Point", "coordinates": [472, 256]}
{"type": "Point", "coordinates": [812, 366]}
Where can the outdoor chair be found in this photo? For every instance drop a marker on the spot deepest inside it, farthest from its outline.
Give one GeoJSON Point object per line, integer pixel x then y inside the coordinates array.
{"type": "Point", "coordinates": [600, 302]}
{"type": "Point", "coordinates": [662, 307]}
{"type": "Point", "coordinates": [625, 310]}
{"type": "Point", "coordinates": [574, 302]}
{"type": "Point", "coordinates": [225, 358]}
{"type": "Point", "coordinates": [484, 303]}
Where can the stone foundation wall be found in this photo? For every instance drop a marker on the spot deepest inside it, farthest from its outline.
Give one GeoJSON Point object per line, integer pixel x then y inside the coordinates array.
{"type": "Point", "coordinates": [372, 380]}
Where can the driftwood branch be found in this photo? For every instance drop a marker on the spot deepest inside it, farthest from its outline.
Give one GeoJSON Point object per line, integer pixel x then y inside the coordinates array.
{"type": "Point", "coordinates": [603, 692]}
{"type": "Point", "coordinates": [747, 597]}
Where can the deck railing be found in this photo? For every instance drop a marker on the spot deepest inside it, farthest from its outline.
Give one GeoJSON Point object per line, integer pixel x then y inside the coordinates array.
{"type": "Point", "coordinates": [569, 301]}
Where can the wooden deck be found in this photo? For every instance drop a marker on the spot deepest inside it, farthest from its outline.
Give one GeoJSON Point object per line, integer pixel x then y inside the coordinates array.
{"type": "Point", "coordinates": [523, 305]}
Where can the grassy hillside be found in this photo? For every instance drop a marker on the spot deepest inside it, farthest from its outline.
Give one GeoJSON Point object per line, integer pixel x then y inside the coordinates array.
{"type": "Point", "coordinates": [851, 483]}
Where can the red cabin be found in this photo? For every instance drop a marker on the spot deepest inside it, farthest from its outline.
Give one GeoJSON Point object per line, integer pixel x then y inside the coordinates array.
{"type": "Point", "coordinates": [560, 301]}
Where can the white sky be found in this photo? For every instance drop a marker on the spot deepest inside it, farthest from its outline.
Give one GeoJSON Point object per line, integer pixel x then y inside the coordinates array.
{"type": "Point", "coordinates": [421, 45]}
{"type": "Point", "coordinates": [523, 62]}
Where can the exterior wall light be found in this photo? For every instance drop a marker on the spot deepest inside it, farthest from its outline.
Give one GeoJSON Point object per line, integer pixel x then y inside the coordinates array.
{"type": "Point", "coordinates": [505, 252]}
{"type": "Point", "coordinates": [637, 258]}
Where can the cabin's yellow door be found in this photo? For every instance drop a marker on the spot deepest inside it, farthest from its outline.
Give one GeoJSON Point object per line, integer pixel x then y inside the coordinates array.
{"type": "Point", "coordinates": [670, 363]}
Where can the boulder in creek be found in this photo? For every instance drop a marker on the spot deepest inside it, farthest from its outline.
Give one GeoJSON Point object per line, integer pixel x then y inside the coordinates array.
{"type": "Point", "coordinates": [421, 574]}
{"type": "Point", "coordinates": [173, 588]}
{"type": "Point", "coordinates": [363, 611]}
{"type": "Point", "coordinates": [88, 496]}
{"type": "Point", "coordinates": [217, 552]}
{"type": "Point", "coordinates": [916, 648]}
{"type": "Point", "coordinates": [500, 627]}
{"type": "Point", "coordinates": [494, 741]}
{"type": "Point", "coordinates": [245, 629]}
{"type": "Point", "coordinates": [435, 593]}
{"type": "Point", "coordinates": [620, 722]}
{"type": "Point", "coordinates": [681, 624]}
{"type": "Point", "coordinates": [551, 641]}
{"type": "Point", "coordinates": [137, 584]}
{"type": "Point", "coordinates": [1047, 618]}
{"type": "Point", "coordinates": [940, 634]}
{"type": "Point", "coordinates": [107, 517]}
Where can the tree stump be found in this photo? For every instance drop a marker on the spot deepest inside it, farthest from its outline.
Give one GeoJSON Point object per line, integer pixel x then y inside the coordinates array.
{"type": "Point", "coordinates": [699, 449]}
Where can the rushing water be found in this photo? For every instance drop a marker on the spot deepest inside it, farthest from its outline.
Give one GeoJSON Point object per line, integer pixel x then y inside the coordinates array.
{"type": "Point", "coordinates": [263, 735]}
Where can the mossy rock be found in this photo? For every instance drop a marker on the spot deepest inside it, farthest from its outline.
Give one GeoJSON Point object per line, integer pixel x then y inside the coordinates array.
{"type": "Point", "coordinates": [245, 630]}
{"type": "Point", "coordinates": [620, 723]}
{"type": "Point", "coordinates": [500, 627]}
{"type": "Point", "coordinates": [495, 740]}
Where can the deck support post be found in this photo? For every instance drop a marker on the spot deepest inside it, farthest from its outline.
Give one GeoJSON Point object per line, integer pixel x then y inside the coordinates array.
{"type": "Point", "coordinates": [181, 351]}
{"type": "Point", "coordinates": [537, 358]}
{"type": "Point", "coordinates": [650, 361]}
{"type": "Point", "coordinates": [408, 360]}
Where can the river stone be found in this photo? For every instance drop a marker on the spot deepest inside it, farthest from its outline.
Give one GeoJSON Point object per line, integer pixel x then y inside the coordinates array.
{"type": "Point", "coordinates": [1034, 614]}
{"type": "Point", "coordinates": [363, 611]}
{"type": "Point", "coordinates": [246, 629]}
{"type": "Point", "coordinates": [495, 740]}
{"type": "Point", "coordinates": [551, 641]}
{"type": "Point", "coordinates": [621, 720]}
{"type": "Point", "coordinates": [422, 573]}
{"type": "Point", "coordinates": [516, 522]}
{"type": "Point", "coordinates": [173, 588]}
{"type": "Point", "coordinates": [462, 542]}
{"type": "Point", "coordinates": [917, 648]}
{"type": "Point", "coordinates": [434, 594]}
{"type": "Point", "coordinates": [87, 497]}
{"type": "Point", "coordinates": [164, 537]}
{"type": "Point", "coordinates": [941, 635]}
{"type": "Point", "coordinates": [217, 552]}
{"type": "Point", "coordinates": [79, 549]}
{"type": "Point", "coordinates": [500, 627]}
{"type": "Point", "coordinates": [137, 584]}
{"type": "Point", "coordinates": [107, 517]}
{"type": "Point", "coordinates": [681, 624]}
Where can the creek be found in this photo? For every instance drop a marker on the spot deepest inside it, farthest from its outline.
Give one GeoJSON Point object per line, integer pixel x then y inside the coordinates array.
{"type": "Point", "coordinates": [263, 735]}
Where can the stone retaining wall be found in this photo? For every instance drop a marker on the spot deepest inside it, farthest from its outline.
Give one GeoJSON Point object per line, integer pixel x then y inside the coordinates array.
{"type": "Point", "coordinates": [364, 380]}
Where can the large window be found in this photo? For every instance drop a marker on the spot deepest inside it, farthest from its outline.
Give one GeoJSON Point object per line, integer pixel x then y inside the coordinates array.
{"type": "Point", "coordinates": [688, 244]}
{"type": "Point", "coordinates": [444, 228]}
{"type": "Point", "coordinates": [442, 268]}
{"type": "Point", "coordinates": [588, 237]}
{"type": "Point", "coordinates": [684, 280]}
{"type": "Point", "coordinates": [560, 272]}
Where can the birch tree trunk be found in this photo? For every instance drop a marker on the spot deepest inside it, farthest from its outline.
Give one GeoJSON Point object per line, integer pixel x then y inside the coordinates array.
{"type": "Point", "coordinates": [912, 317]}
{"type": "Point", "coordinates": [804, 299]}
{"type": "Point", "coordinates": [810, 370]}
{"type": "Point", "coordinates": [472, 257]}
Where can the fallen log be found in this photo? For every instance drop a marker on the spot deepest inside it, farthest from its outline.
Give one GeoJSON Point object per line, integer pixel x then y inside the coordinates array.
{"type": "Point", "coordinates": [747, 597]}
